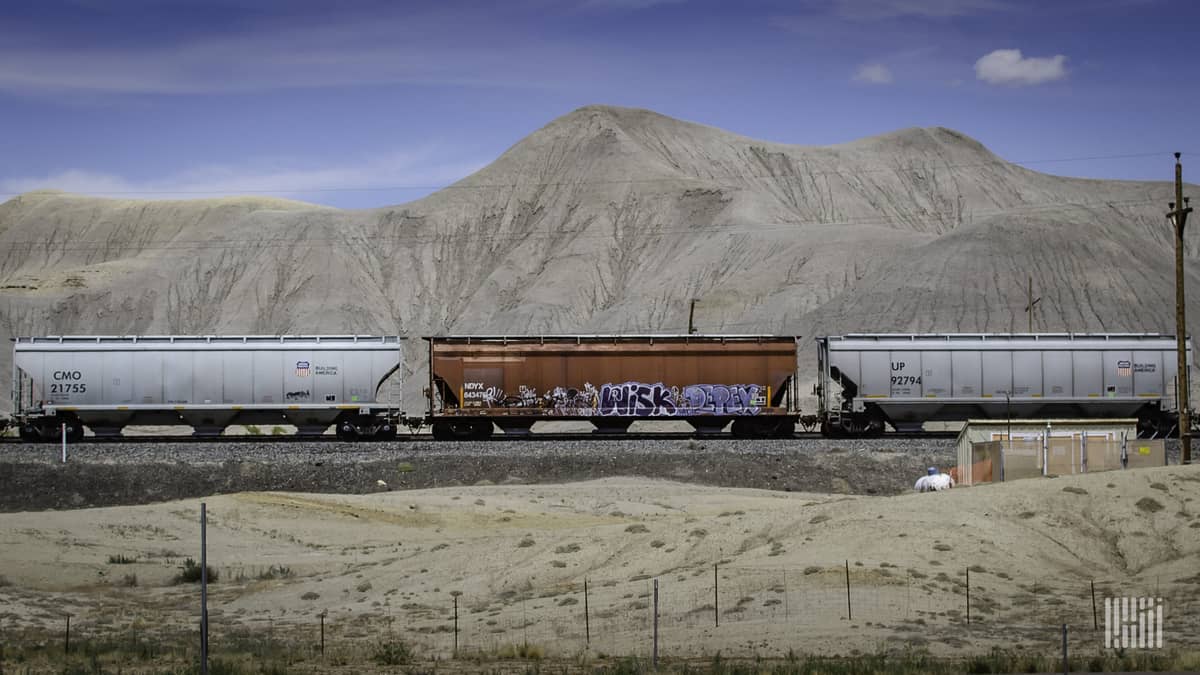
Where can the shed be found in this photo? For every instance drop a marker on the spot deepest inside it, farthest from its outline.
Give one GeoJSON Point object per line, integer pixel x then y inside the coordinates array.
{"type": "Point", "coordinates": [1055, 446]}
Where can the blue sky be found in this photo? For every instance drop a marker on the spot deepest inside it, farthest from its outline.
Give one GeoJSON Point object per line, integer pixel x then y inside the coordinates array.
{"type": "Point", "coordinates": [362, 104]}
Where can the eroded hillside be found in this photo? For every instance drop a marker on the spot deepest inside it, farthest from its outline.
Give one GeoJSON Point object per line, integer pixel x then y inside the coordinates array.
{"type": "Point", "coordinates": [609, 220]}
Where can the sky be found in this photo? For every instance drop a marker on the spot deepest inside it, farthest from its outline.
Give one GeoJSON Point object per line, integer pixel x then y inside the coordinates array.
{"type": "Point", "coordinates": [361, 104]}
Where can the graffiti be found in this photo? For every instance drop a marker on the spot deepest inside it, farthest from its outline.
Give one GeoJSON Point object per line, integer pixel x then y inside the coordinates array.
{"type": "Point", "coordinates": [571, 401]}
{"type": "Point", "coordinates": [298, 395]}
{"type": "Point", "coordinates": [626, 399]}
{"type": "Point", "coordinates": [720, 399]}
{"type": "Point", "coordinates": [637, 399]}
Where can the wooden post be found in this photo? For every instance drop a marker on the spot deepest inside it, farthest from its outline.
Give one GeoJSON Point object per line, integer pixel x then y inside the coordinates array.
{"type": "Point", "coordinates": [656, 624]}
{"type": "Point", "coordinates": [716, 605]}
{"type": "Point", "coordinates": [849, 616]}
{"type": "Point", "coordinates": [203, 589]}
{"type": "Point", "coordinates": [1095, 618]}
{"type": "Point", "coordinates": [456, 626]}
{"type": "Point", "coordinates": [322, 615]}
{"type": "Point", "coordinates": [587, 626]}
{"type": "Point", "coordinates": [1066, 664]}
{"type": "Point", "coordinates": [968, 596]}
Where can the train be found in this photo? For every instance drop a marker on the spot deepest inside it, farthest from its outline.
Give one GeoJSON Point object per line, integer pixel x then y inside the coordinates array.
{"type": "Point", "coordinates": [479, 383]}
{"type": "Point", "coordinates": [906, 380]}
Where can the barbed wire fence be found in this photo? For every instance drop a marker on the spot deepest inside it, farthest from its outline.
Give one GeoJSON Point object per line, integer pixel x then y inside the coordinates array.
{"type": "Point", "coordinates": [739, 610]}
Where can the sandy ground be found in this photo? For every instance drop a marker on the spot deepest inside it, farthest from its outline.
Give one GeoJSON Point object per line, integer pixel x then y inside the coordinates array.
{"type": "Point", "coordinates": [516, 558]}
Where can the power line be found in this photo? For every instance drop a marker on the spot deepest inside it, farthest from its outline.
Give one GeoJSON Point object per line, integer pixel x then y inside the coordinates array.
{"type": "Point", "coordinates": [613, 181]}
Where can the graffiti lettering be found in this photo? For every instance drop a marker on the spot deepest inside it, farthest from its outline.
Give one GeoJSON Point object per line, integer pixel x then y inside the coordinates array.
{"type": "Point", "coordinates": [637, 399]}
{"type": "Point", "coordinates": [720, 399]}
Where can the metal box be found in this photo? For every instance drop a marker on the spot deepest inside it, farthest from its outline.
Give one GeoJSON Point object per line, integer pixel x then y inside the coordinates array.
{"type": "Point", "coordinates": [906, 380]}
{"type": "Point", "coordinates": [207, 382]}
{"type": "Point", "coordinates": [707, 380]}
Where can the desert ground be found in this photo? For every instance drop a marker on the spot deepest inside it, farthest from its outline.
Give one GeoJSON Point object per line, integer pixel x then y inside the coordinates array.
{"type": "Point", "coordinates": [391, 567]}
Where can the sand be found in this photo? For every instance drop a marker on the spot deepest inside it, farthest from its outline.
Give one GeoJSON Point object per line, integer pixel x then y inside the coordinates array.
{"type": "Point", "coordinates": [516, 557]}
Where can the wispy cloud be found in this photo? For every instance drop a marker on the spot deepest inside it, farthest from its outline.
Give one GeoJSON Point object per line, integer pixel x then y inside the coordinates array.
{"type": "Point", "coordinates": [1010, 67]}
{"type": "Point", "coordinates": [414, 173]}
{"type": "Point", "coordinates": [483, 48]}
{"type": "Point", "coordinates": [873, 73]}
{"type": "Point", "coordinates": [875, 10]}
{"type": "Point", "coordinates": [628, 4]}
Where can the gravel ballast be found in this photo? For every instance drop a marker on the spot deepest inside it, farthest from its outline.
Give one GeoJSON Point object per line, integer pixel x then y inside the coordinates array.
{"type": "Point", "coordinates": [109, 474]}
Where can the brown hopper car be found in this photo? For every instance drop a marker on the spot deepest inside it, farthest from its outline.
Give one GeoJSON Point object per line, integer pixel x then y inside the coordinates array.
{"type": "Point", "coordinates": [708, 381]}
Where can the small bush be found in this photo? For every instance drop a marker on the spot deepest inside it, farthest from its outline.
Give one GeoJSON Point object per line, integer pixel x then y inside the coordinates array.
{"type": "Point", "coordinates": [189, 573]}
{"type": "Point", "coordinates": [637, 528]}
{"type": "Point", "coordinates": [129, 580]}
{"type": "Point", "coordinates": [311, 595]}
{"type": "Point", "coordinates": [1148, 505]}
{"type": "Point", "coordinates": [392, 654]}
{"type": "Point", "coordinates": [521, 651]}
{"type": "Point", "coordinates": [121, 559]}
{"type": "Point", "coordinates": [276, 572]}
{"type": "Point", "coordinates": [526, 542]}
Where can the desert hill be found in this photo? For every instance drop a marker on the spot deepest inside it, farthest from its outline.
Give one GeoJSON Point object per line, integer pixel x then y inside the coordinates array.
{"type": "Point", "coordinates": [391, 564]}
{"type": "Point", "coordinates": [609, 220]}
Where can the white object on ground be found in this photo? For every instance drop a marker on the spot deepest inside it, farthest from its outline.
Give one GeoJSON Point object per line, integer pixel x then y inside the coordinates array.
{"type": "Point", "coordinates": [934, 483]}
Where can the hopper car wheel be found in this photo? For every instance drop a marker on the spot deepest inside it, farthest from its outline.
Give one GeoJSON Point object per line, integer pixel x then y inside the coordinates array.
{"type": "Point", "coordinates": [30, 433]}
{"type": "Point", "coordinates": [462, 430]}
{"type": "Point", "coordinates": [785, 429]}
{"type": "Point", "coordinates": [346, 431]}
{"type": "Point", "coordinates": [758, 427]}
{"type": "Point", "coordinates": [387, 432]}
{"type": "Point", "coordinates": [74, 431]}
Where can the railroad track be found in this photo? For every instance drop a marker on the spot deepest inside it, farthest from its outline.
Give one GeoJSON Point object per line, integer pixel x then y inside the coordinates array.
{"type": "Point", "coordinates": [498, 438]}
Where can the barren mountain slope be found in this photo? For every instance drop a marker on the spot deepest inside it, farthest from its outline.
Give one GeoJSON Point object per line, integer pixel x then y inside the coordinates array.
{"type": "Point", "coordinates": [610, 219]}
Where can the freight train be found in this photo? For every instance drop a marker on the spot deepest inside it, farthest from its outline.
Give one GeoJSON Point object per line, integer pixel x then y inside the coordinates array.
{"type": "Point", "coordinates": [747, 383]}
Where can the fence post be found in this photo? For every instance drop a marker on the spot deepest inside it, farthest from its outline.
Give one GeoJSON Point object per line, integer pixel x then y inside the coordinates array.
{"type": "Point", "coordinates": [849, 615]}
{"type": "Point", "coordinates": [322, 616]}
{"type": "Point", "coordinates": [1066, 664]}
{"type": "Point", "coordinates": [587, 626]}
{"type": "Point", "coordinates": [1095, 619]}
{"type": "Point", "coordinates": [785, 594]}
{"type": "Point", "coordinates": [656, 624]}
{"type": "Point", "coordinates": [456, 626]}
{"type": "Point", "coordinates": [203, 589]}
{"type": "Point", "coordinates": [716, 605]}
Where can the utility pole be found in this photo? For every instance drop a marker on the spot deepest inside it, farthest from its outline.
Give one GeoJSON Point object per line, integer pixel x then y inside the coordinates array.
{"type": "Point", "coordinates": [692, 317]}
{"type": "Point", "coordinates": [1178, 217]}
{"type": "Point", "coordinates": [1031, 301]}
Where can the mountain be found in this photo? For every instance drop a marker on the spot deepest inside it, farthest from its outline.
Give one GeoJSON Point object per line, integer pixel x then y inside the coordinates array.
{"type": "Point", "coordinates": [609, 220]}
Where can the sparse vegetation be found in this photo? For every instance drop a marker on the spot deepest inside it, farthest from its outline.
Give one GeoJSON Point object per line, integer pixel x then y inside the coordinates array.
{"type": "Point", "coordinates": [392, 653]}
{"type": "Point", "coordinates": [1148, 505]}
{"type": "Point", "coordinates": [637, 528]}
{"type": "Point", "coordinates": [189, 573]}
{"type": "Point", "coordinates": [276, 572]}
{"type": "Point", "coordinates": [121, 559]}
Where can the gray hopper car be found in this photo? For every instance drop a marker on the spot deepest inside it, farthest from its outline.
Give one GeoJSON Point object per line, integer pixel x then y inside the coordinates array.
{"type": "Point", "coordinates": [907, 380]}
{"type": "Point", "coordinates": [206, 382]}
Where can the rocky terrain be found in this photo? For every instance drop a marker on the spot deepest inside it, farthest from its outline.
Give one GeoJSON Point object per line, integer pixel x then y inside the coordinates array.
{"type": "Point", "coordinates": [610, 220]}
{"type": "Point", "coordinates": [111, 474]}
